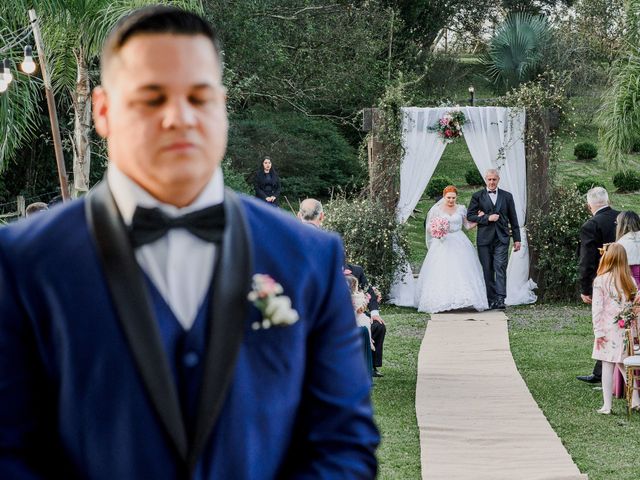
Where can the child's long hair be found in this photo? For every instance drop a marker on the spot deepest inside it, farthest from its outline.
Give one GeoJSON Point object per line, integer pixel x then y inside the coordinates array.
{"type": "Point", "coordinates": [614, 260]}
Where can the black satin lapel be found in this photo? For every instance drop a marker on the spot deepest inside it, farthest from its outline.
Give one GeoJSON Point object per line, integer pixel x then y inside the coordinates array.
{"type": "Point", "coordinates": [499, 201]}
{"type": "Point", "coordinates": [227, 313]}
{"type": "Point", "coordinates": [133, 307]}
{"type": "Point", "coordinates": [486, 202]}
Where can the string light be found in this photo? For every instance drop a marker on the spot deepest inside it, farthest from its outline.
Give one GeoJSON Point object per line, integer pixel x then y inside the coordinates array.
{"type": "Point", "coordinates": [8, 76]}
{"type": "Point", "coordinates": [28, 65]}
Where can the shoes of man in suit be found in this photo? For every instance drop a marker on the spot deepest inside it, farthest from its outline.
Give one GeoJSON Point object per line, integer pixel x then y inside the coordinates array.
{"type": "Point", "coordinates": [376, 373]}
{"type": "Point", "coordinates": [589, 378]}
{"type": "Point", "coordinates": [497, 305]}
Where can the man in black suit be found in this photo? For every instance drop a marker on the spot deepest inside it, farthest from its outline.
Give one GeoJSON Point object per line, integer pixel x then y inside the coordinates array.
{"type": "Point", "coordinates": [494, 211]}
{"type": "Point", "coordinates": [598, 230]}
{"type": "Point", "coordinates": [378, 328]}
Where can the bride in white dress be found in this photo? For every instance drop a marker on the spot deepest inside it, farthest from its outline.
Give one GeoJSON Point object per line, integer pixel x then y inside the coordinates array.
{"type": "Point", "coordinates": [451, 275]}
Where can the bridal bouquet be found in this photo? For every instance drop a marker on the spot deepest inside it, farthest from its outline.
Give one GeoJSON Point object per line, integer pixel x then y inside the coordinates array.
{"type": "Point", "coordinates": [439, 227]}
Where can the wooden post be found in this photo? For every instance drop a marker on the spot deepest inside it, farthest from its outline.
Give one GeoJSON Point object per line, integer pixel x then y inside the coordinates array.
{"type": "Point", "coordinates": [538, 154]}
{"type": "Point", "coordinates": [51, 103]}
{"type": "Point", "coordinates": [22, 209]}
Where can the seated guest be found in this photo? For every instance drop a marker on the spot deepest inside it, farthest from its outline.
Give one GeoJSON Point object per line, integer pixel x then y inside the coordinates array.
{"type": "Point", "coordinates": [628, 235]}
{"type": "Point", "coordinates": [267, 182]}
{"type": "Point", "coordinates": [360, 303]}
{"type": "Point", "coordinates": [359, 300]}
{"type": "Point", "coordinates": [311, 212]}
{"type": "Point", "coordinates": [35, 207]}
{"type": "Point", "coordinates": [378, 328]}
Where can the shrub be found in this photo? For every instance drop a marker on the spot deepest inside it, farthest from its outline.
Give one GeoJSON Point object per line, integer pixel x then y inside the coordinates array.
{"type": "Point", "coordinates": [369, 233]}
{"type": "Point", "coordinates": [585, 151]}
{"type": "Point", "coordinates": [587, 184]}
{"type": "Point", "coordinates": [310, 154]}
{"type": "Point", "coordinates": [436, 185]}
{"type": "Point", "coordinates": [628, 181]}
{"type": "Point", "coordinates": [473, 177]}
{"type": "Point", "coordinates": [553, 238]}
{"type": "Point", "coordinates": [235, 179]}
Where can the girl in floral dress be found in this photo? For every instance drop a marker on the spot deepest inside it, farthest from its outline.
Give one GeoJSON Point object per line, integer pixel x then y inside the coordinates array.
{"type": "Point", "coordinates": [613, 290]}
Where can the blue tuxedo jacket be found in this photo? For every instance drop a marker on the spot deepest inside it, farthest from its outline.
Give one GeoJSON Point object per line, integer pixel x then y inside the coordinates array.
{"type": "Point", "coordinates": [85, 386]}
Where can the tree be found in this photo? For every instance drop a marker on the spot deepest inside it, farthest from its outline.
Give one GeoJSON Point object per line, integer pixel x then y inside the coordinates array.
{"type": "Point", "coordinates": [515, 53]}
{"type": "Point", "coordinates": [315, 57]}
{"type": "Point", "coordinates": [620, 112]}
{"type": "Point", "coordinates": [73, 33]}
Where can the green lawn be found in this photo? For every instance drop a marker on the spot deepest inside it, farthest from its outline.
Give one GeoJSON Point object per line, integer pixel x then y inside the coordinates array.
{"type": "Point", "coordinates": [394, 395]}
{"type": "Point", "coordinates": [551, 344]}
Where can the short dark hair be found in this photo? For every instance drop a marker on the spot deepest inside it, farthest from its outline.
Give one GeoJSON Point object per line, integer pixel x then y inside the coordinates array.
{"type": "Point", "coordinates": [156, 19]}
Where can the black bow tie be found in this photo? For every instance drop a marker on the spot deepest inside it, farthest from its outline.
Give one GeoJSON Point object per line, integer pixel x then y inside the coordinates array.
{"type": "Point", "coordinates": [150, 224]}
{"type": "Point", "coordinates": [492, 191]}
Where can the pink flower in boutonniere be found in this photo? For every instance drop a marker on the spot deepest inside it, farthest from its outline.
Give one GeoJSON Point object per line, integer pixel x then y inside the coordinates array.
{"type": "Point", "coordinates": [266, 295]}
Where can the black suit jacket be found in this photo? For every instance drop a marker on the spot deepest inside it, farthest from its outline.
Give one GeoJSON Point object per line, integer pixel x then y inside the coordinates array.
{"type": "Point", "coordinates": [598, 230]}
{"type": "Point", "coordinates": [505, 207]}
{"type": "Point", "coordinates": [358, 272]}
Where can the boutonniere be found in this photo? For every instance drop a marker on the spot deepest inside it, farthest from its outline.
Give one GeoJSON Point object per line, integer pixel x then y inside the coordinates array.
{"type": "Point", "coordinates": [266, 295]}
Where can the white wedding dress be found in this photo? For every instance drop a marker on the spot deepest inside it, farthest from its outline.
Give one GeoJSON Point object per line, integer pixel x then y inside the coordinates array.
{"type": "Point", "coordinates": [451, 275]}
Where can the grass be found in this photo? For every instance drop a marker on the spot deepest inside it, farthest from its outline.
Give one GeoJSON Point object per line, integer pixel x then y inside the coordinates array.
{"type": "Point", "coordinates": [394, 395]}
{"type": "Point", "coordinates": [551, 345]}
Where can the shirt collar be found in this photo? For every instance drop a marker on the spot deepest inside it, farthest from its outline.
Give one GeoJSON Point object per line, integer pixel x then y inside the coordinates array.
{"type": "Point", "coordinates": [487, 188]}
{"type": "Point", "coordinates": [601, 208]}
{"type": "Point", "coordinates": [128, 195]}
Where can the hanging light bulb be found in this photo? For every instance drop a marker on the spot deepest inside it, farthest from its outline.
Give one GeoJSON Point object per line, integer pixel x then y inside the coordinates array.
{"type": "Point", "coordinates": [8, 77]}
{"type": "Point", "coordinates": [28, 65]}
{"type": "Point", "coordinates": [3, 83]}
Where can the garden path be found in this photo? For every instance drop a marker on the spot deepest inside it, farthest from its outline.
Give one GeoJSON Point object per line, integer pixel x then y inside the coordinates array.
{"type": "Point", "coordinates": [476, 416]}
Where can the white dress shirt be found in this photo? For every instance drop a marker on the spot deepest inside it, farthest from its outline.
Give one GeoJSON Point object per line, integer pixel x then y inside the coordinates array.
{"type": "Point", "coordinates": [493, 196]}
{"type": "Point", "coordinates": [179, 264]}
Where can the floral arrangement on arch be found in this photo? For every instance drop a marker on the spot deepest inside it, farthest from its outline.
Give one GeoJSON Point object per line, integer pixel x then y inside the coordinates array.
{"type": "Point", "coordinates": [449, 127]}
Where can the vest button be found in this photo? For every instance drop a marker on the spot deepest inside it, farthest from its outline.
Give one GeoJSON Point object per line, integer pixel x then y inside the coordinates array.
{"type": "Point", "coordinates": [191, 359]}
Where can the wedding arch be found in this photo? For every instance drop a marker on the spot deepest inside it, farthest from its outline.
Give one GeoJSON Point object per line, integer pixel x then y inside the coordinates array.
{"type": "Point", "coordinates": [495, 138]}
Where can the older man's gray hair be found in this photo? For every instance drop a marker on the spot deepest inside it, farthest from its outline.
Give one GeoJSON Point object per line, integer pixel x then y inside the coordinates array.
{"type": "Point", "coordinates": [491, 171]}
{"type": "Point", "coordinates": [310, 210]}
{"type": "Point", "coordinates": [597, 197]}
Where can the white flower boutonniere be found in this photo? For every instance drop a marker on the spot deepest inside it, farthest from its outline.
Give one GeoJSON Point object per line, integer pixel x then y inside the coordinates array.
{"type": "Point", "coordinates": [275, 307]}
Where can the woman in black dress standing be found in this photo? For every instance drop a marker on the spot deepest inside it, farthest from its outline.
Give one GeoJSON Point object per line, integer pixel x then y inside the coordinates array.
{"type": "Point", "coordinates": [267, 182]}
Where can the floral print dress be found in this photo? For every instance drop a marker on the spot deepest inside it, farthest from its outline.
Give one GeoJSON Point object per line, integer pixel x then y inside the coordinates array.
{"type": "Point", "coordinates": [605, 306]}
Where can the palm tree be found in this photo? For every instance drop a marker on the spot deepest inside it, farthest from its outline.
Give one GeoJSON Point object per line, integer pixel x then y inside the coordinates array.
{"type": "Point", "coordinates": [73, 33]}
{"type": "Point", "coordinates": [515, 52]}
{"type": "Point", "coordinates": [620, 112]}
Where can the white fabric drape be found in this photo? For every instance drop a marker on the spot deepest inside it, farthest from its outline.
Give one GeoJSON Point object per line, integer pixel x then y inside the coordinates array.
{"type": "Point", "coordinates": [423, 148]}
{"type": "Point", "coordinates": [495, 137]}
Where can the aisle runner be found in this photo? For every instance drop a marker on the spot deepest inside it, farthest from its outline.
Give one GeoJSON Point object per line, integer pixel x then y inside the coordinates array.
{"type": "Point", "coordinates": [476, 416]}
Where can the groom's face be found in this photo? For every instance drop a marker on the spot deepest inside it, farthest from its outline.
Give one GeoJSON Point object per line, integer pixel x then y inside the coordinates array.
{"type": "Point", "coordinates": [162, 110]}
{"type": "Point", "coordinates": [492, 180]}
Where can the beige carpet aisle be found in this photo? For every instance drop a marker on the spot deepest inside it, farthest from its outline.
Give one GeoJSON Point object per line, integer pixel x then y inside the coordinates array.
{"type": "Point", "coordinates": [476, 416]}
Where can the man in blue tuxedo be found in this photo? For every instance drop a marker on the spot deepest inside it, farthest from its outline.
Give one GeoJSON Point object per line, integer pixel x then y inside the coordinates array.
{"type": "Point", "coordinates": [133, 344]}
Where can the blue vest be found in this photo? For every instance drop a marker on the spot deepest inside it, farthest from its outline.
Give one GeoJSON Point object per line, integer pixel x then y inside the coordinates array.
{"type": "Point", "coordinates": [185, 351]}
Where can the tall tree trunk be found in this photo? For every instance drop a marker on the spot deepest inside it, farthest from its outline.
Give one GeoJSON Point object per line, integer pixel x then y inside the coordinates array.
{"type": "Point", "coordinates": [82, 127]}
{"type": "Point", "coordinates": [538, 155]}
